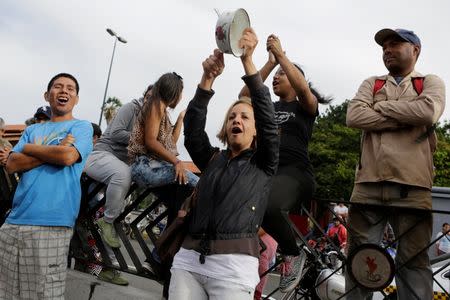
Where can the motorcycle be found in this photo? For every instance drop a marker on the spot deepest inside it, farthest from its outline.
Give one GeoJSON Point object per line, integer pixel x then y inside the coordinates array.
{"type": "Point", "coordinates": [322, 278]}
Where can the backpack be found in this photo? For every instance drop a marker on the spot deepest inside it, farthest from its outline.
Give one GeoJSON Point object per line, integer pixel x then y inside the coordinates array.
{"type": "Point", "coordinates": [418, 87]}
{"type": "Point", "coordinates": [416, 81]}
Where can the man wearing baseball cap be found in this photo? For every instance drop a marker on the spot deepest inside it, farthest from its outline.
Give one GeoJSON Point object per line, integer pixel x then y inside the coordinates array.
{"type": "Point", "coordinates": [403, 34]}
{"type": "Point", "coordinates": [43, 114]}
{"type": "Point", "coordinates": [396, 113]}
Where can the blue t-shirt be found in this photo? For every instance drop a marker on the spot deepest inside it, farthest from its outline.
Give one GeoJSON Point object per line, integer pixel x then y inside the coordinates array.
{"type": "Point", "coordinates": [49, 195]}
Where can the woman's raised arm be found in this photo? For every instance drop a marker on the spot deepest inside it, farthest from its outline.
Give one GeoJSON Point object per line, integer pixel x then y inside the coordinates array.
{"type": "Point", "coordinates": [196, 140]}
{"type": "Point", "coordinates": [267, 140]}
{"type": "Point", "coordinates": [307, 99]}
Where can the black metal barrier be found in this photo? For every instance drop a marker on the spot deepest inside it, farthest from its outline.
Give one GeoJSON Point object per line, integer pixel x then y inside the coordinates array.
{"type": "Point", "coordinates": [171, 197]}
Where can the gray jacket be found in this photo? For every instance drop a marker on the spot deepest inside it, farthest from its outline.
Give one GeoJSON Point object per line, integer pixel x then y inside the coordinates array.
{"type": "Point", "coordinates": [117, 134]}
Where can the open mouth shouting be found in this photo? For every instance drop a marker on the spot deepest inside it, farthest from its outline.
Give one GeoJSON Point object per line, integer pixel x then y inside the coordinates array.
{"type": "Point", "coordinates": [275, 83]}
{"type": "Point", "coordinates": [236, 130]}
{"type": "Point", "coordinates": [62, 100]}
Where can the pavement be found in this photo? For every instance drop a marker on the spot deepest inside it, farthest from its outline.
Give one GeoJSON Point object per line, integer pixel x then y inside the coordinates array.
{"type": "Point", "coordinates": [82, 286]}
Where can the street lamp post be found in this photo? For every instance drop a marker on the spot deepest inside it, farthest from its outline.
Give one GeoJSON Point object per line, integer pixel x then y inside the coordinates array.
{"type": "Point", "coordinates": [122, 40]}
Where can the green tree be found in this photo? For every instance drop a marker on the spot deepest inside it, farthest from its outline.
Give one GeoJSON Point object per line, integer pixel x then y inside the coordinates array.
{"type": "Point", "coordinates": [334, 153]}
{"type": "Point", "coordinates": [442, 155]}
{"type": "Point", "coordinates": [110, 108]}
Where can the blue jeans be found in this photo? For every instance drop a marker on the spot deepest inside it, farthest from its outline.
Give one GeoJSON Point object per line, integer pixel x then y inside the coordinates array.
{"type": "Point", "coordinates": [150, 172]}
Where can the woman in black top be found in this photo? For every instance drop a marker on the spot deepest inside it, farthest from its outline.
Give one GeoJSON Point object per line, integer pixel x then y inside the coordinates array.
{"type": "Point", "coordinates": [295, 113]}
{"type": "Point", "coordinates": [219, 256]}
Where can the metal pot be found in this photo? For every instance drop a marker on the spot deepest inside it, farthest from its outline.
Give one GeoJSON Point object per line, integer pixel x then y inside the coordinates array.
{"type": "Point", "coordinates": [229, 28]}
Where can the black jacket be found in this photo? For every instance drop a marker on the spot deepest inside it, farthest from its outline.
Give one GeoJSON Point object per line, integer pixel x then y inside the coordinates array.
{"type": "Point", "coordinates": [232, 193]}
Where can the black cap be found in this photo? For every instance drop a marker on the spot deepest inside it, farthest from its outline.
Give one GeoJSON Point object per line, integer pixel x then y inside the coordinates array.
{"type": "Point", "coordinates": [44, 110]}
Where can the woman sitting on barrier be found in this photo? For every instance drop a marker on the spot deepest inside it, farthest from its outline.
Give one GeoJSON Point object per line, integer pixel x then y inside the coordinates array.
{"type": "Point", "coordinates": [295, 113]}
{"type": "Point", "coordinates": [219, 257]}
{"type": "Point", "coordinates": [152, 149]}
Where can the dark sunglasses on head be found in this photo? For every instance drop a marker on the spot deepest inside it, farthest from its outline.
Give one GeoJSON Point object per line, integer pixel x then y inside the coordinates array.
{"type": "Point", "coordinates": [179, 77]}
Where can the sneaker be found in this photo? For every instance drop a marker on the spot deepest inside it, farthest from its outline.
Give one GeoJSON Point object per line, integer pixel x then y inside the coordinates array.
{"type": "Point", "coordinates": [112, 276]}
{"type": "Point", "coordinates": [108, 233]}
{"type": "Point", "coordinates": [291, 272]}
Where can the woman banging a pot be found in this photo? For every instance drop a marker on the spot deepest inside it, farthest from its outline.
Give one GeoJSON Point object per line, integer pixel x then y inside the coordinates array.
{"type": "Point", "coordinates": [219, 257]}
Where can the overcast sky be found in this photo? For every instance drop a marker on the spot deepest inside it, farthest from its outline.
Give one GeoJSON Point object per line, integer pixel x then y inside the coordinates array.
{"type": "Point", "coordinates": [332, 40]}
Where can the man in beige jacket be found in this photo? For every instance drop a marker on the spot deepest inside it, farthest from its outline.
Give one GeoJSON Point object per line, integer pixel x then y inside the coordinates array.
{"type": "Point", "coordinates": [393, 181]}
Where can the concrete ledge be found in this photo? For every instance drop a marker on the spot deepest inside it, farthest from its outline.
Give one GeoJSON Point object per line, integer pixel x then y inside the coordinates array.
{"type": "Point", "coordinates": [82, 286]}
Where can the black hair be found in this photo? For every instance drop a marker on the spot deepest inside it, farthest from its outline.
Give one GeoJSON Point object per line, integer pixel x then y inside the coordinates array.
{"type": "Point", "coordinates": [444, 224]}
{"type": "Point", "coordinates": [167, 89]}
{"type": "Point", "coordinates": [67, 75]}
{"type": "Point", "coordinates": [320, 98]}
{"type": "Point", "coordinates": [97, 130]}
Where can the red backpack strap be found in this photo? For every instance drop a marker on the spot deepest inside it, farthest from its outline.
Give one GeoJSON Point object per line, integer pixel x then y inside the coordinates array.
{"type": "Point", "coordinates": [418, 84]}
{"type": "Point", "coordinates": [379, 83]}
